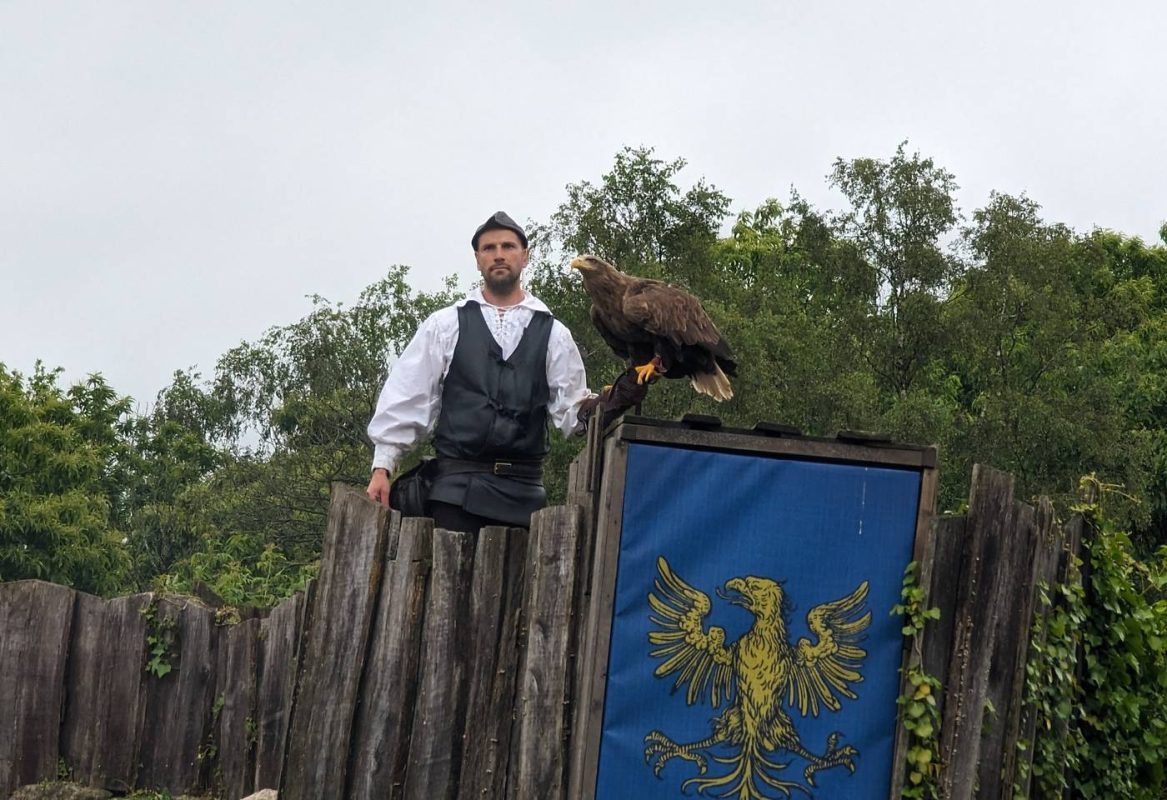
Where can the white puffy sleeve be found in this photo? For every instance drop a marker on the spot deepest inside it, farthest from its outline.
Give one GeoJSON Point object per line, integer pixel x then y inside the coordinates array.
{"type": "Point", "coordinates": [565, 378]}
{"type": "Point", "coordinates": [410, 401]}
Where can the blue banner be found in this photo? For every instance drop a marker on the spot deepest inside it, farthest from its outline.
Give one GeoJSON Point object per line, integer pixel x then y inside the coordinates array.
{"type": "Point", "coordinates": [753, 651]}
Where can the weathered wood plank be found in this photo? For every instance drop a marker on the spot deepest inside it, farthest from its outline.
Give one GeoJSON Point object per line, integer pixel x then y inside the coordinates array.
{"type": "Point", "coordinates": [281, 639]}
{"type": "Point", "coordinates": [1012, 621]}
{"type": "Point", "coordinates": [923, 552]}
{"type": "Point", "coordinates": [99, 736]}
{"type": "Point", "coordinates": [235, 697]}
{"type": "Point", "coordinates": [35, 623]}
{"type": "Point", "coordinates": [936, 643]}
{"type": "Point", "coordinates": [435, 746]}
{"type": "Point", "coordinates": [537, 766]}
{"type": "Point", "coordinates": [496, 597]}
{"type": "Point", "coordinates": [1023, 725]}
{"type": "Point", "coordinates": [176, 723]}
{"type": "Point", "coordinates": [588, 465]}
{"type": "Point", "coordinates": [989, 519]}
{"type": "Point", "coordinates": [588, 699]}
{"type": "Point", "coordinates": [389, 686]}
{"type": "Point", "coordinates": [334, 657]}
{"type": "Point", "coordinates": [947, 566]}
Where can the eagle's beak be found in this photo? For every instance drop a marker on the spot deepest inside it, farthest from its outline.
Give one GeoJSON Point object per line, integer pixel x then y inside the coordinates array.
{"type": "Point", "coordinates": [579, 262]}
{"type": "Point", "coordinates": [734, 592]}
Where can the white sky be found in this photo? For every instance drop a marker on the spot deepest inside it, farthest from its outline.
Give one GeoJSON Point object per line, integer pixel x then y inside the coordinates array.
{"type": "Point", "coordinates": [176, 177]}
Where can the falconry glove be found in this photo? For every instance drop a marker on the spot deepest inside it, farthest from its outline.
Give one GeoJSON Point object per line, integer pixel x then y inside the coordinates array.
{"type": "Point", "coordinates": [622, 395]}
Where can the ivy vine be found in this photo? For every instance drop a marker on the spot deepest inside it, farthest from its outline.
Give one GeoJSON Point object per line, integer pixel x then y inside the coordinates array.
{"type": "Point", "coordinates": [1097, 682]}
{"type": "Point", "coordinates": [921, 717]}
{"type": "Point", "coordinates": [161, 638]}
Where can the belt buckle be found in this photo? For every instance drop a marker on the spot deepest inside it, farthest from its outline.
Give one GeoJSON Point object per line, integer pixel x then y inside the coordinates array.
{"type": "Point", "coordinates": [502, 465]}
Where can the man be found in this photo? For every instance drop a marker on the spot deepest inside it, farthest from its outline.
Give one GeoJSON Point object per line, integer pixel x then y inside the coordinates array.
{"type": "Point", "coordinates": [484, 375]}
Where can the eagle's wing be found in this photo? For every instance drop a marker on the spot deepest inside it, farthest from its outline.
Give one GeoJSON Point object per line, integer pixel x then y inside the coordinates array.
{"type": "Point", "coordinates": [699, 657]}
{"type": "Point", "coordinates": [618, 345]}
{"type": "Point", "coordinates": [665, 310]}
{"type": "Point", "coordinates": [829, 667]}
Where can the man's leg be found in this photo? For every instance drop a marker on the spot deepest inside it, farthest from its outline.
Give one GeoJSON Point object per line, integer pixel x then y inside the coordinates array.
{"type": "Point", "coordinates": [455, 518]}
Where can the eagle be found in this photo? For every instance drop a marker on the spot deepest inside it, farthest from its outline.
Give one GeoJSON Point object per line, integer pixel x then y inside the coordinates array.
{"type": "Point", "coordinates": [660, 328]}
{"type": "Point", "coordinates": [755, 677]}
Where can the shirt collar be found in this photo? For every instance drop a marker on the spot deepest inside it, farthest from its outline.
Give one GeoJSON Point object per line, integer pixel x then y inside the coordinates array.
{"type": "Point", "coordinates": [529, 300]}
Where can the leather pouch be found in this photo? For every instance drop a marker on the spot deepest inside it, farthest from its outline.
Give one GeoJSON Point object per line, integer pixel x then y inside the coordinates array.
{"type": "Point", "coordinates": [410, 493]}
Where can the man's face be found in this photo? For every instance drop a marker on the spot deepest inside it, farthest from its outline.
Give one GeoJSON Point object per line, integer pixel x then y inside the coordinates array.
{"type": "Point", "coordinates": [501, 258]}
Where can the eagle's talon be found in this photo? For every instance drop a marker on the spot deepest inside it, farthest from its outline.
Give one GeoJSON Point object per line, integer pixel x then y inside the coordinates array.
{"type": "Point", "coordinates": [645, 373]}
{"type": "Point", "coordinates": [665, 749]}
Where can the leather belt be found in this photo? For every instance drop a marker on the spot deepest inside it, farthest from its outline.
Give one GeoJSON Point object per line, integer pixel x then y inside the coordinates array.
{"type": "Point", "coordinates": [514, 469]}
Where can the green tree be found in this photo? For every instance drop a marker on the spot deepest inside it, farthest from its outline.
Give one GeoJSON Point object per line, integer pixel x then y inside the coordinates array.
{"type": "Point", "coordinates": [62, 462]}
{"type": "Point", "coordinates": [1050, 338]}
{"type": "Point", "coordinates": [901, 211]}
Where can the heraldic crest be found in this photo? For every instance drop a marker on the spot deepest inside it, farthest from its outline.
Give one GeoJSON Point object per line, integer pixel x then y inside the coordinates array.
{"type": "Point", "coordinates": [755, 677]}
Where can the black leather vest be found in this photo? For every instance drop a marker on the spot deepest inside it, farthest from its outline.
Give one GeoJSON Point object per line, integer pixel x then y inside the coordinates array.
{"type": "Point", "coordinates": [495, 408]}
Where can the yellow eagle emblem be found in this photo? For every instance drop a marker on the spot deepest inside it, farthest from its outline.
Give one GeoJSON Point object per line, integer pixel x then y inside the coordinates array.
{"type": "Point", "coordinates": [755, 676]}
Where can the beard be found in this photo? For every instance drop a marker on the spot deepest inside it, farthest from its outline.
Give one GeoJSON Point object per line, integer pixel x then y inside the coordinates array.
{"type": "Point", "coordinates": [500, 284]}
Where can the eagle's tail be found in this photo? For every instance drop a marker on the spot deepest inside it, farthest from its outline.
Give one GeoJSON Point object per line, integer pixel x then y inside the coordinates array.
{"type": "Point", "coordinates": [714, 384]}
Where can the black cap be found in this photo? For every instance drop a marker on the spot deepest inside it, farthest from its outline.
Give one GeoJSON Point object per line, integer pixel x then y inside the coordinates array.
{"type": "Point", "coordinates": [499, 220]}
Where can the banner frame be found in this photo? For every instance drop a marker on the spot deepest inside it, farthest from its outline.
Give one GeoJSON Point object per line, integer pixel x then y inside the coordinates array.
{"type": "Point", "coordinates": [706, 433]}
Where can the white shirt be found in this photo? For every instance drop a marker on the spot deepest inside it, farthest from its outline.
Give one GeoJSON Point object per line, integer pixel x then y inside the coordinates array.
{"type": "Point", "coordinates": [411, 399]}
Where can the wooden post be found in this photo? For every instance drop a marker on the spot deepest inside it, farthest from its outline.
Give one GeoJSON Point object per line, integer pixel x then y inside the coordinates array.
{"type": "Point", "coordinates": [235, 697]}
{"type": "Point", "coordinates": [538, 763]}
{"type": "Point", "coordinates": [1006, 680]}
{"type": "Point", "coordinates": [496, 598]}
{"type": "Point", "coordinates": [176, 724]}
{"type": "Point", "coordinates": [280, 646]}
{"type": "Point", "coordinates": [435, 742]}
{"type": "Point", "coordinates": [99, 735]}
{"type": "Point", "coordinates": [586, 469]}
{"type": "Point", "coordinates": [923, 550]}
{"type": "Point", "coordinates": [35, 619]}
{"type": "Point", "coordinates": [947, 567]}
{"type": "Point", "coordinates": [382, 731]}
{"type": "Point", "coordinates": [989, 520]}
{"type": "Point", "coordinates": [1023, 726]}
{"type": "Point", "coordinates": [338, 635]}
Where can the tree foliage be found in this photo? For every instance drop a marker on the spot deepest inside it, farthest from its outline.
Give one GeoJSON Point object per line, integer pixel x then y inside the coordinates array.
{"type": "Point", "coordinates": [62, 464]}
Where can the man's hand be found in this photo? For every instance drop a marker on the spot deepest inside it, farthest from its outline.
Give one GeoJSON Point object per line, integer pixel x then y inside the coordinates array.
{"type": "Point", "coordinates": [378, 490]}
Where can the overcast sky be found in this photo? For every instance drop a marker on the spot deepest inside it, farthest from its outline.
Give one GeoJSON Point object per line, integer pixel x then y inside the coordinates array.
{"type": "Point", "coordinates": [176, 177]}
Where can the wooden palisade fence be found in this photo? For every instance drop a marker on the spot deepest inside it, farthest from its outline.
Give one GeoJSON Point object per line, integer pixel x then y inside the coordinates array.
{"type": "Point", "coordinates": [426, 663]}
